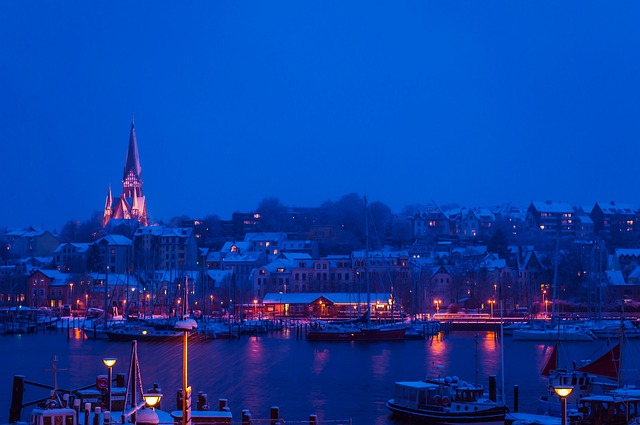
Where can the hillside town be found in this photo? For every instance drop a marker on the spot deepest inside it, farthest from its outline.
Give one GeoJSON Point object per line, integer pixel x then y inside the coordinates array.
{"type": "Point", "coordinates": [280, 261]}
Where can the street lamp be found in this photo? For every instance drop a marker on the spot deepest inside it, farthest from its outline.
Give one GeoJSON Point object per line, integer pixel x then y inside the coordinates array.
{"type": "Point", "coordinates": [563, 392]}
{"type": "Point", "coordinates": [109, 362]}
{"type": "Point", "coordinates": [491, 303]}
{"type": "Point", "coordinates": [437, 303]}
{"type": "Point", "coordinates": [255, 306]}
{"type": "Point", "coordinates": [152, 399]}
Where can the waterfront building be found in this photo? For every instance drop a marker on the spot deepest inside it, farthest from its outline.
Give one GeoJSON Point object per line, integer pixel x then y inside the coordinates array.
{"type": "Point", "coordinates": [48, 288]}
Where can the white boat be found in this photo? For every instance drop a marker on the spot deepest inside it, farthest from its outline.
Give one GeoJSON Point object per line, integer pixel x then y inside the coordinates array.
{"type": "Point", "coordinates": [560, 332]}
{"type": "Point", "coordinates": [612, 328]}
{"type": "Point", "coordinates": [445, 401]}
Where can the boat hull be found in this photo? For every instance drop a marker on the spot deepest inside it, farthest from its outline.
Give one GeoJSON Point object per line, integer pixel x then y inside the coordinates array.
{"type": "Point", "coordinates": [491, 416]}
{"type": "Point", "coordinates": [364, 334]}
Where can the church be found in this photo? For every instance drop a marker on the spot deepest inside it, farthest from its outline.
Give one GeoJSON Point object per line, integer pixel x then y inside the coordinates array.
{"type": "Point", "coordinates": [131, 204]}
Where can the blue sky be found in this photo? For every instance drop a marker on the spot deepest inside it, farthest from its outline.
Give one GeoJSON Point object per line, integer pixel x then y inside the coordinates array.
{"type": "Point", "coordinates": [457, 101]}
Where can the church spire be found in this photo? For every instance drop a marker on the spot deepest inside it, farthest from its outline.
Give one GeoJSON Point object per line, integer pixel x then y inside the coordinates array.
{"type": "Point", "coordinates": [106, 216]}
{"type": "Point", "coordinates": [132, 176]}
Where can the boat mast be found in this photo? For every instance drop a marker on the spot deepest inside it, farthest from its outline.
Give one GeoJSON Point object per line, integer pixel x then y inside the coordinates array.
{"type": "Point", "coordinates": [366, 259]}
{"type": "Point", "coordinates": [106, 296]}
{"type": "Point", "coordinates": [555, 272]}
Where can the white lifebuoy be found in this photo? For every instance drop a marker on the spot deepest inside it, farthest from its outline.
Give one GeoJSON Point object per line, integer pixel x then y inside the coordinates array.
{"type": "Point", "coordinates": [446, 402]}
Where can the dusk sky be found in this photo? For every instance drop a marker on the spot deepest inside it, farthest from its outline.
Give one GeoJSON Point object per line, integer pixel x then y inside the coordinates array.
{"type": "Point", "coordinates": [472, 102]}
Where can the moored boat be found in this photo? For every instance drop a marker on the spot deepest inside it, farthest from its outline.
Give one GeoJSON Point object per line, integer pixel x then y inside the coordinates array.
{"type": "Point", "coordinates": [447, 401]}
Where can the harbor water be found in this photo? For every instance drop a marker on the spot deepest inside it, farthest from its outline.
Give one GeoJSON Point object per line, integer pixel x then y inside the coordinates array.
{"type": "Point", "coordinates": [337, 380]}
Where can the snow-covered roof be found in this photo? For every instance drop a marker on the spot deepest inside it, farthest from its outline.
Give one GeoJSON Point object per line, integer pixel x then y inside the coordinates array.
{"type": "Point", "coordinates": [80, 247]}
{"type": "Point", "coordinates": [553, 206]}
{"type": "Point", "coordinates": [627, 252]}
{"type": "Point", "coordinates": [115, 240]}
{"type": "Point", "coordinates": [242, 257]}
{"type": "Point", "coordinates": [333, 297]}
{"type": "Point", "coordinates": [616, 208]}
{"type": "Point", "coordinates": [615, 278]}
{"type": "Point", "coordinates": [241, 245]}
{"type": "Point", "coordinates": [220, 276]}
{"type": "Point", "coordinates": [56, 276]}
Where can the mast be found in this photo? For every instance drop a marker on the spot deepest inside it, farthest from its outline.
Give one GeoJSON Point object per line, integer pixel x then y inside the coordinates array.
{"type": "Point", "coordinates": [555, 272]}
{"type": "Point", "coordinates": [106, 297]}
{"type": "Point", "coordinates": [366, 259]}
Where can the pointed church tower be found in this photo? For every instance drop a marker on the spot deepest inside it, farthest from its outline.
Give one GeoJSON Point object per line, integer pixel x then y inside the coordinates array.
{"type": "Point", "coordinates": [106, 216]}
{"type": "Point", "coordinates": [131, 203]}
{"type": "Point", "coordinates": [132, 177]}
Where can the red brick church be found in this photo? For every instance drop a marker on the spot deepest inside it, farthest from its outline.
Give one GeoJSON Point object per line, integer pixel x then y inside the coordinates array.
{"type": "Point", "coordinates": [131, 204]}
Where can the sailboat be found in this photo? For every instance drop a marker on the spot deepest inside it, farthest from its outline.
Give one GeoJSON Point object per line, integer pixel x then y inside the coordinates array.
{"type": "Point", "coordinates": [362, 329]}
{"type": "Point", "coordinates": [586, 380]}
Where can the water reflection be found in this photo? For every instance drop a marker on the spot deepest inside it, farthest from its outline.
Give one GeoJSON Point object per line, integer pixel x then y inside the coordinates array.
{"type": "Point", "coordinates": [333, 380]}
{"type": "Point", "coordinates": [320, 359]}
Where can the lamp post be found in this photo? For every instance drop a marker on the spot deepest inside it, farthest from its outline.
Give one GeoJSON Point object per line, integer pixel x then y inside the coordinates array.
{"type": "Point", "coordinates": [563, 392]}
{"type": "Point", "coordinates": [491, 303]}
{"type": "Point", "coordinates": [109, 363]}
{"type": "Point", "coordinates": [437, 303]}
{"type": "Point", "coordinates": [255, 306]}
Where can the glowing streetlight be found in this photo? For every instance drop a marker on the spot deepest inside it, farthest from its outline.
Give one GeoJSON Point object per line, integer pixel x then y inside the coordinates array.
{"type": "Point", "coordinates": [255, 306]}
{"type": "Point", "coordinates": [563, 392]}
{"type": "Point", "coordinates": [152, 399]}
{"type": "Point", "coordinates": [437, 303]}
{"type": "Point", "coordinates": [109, 362]}
{"type": "Point", "coordinates": [491, 303]}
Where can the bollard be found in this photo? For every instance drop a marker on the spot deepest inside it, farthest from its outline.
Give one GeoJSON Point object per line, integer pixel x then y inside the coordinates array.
{"type": "Point", "coordinates": [222, 404]}
{"type": "Point", "coordinates": [492, 387]}
{"type": "Point", "coordinates": [65, 400]}
{"type": "Point", "coordinates": [274, 415]}
{"type": "Point", "coordinates": [96, 416]}
{"type": "Point", "coordinates": [87, 410]}
{"type": "Point", "coordinates": [515, 398]}
{"type": "Point", "coordinates": [246, 417]}
{"type": "Point", "coordinates": [76, 405]}
{"type": "Point", "coordinates": [313, 419]}
{"type": "Point", "coordinates": [107, 418]}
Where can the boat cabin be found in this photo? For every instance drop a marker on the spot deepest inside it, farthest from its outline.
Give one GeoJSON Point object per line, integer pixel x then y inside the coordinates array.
{"type": "Point", "coordinates": [416, 395]}
{"type": "Point", "coordinates": [59, 416]}
{"type": "Point", "coordinates": [608, 410]}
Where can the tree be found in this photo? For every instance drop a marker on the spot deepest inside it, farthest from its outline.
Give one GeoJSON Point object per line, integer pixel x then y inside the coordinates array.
{"type": "Point", "coordinates": [272, 212]}
{"type": "Point", "coordinates": [498, 244]}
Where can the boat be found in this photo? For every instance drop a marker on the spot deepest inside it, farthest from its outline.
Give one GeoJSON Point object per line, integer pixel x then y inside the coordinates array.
{"type": "Point", "coordinates": [561, 331]}
{"type": "Point", "coordinates": [149, 332]}
{"type": "Point", "coordinates": [609, 409]}
{"type": "Point", "coordinates": [445, 401]}
{"type": "Point", "coordinates": [360, 329]}
{"type": "Point", "coordinates": [326, 331]}
{"type": "Point", "coordinates": [596, 377]}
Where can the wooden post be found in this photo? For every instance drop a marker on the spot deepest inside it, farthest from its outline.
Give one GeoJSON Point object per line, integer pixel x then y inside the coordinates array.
{"type": "Point", "coordinates": [16, 399]}
{"type": "Point", "coordinates": [274, 415]}
{"type": "Point", "coordinates": [515, 398]}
